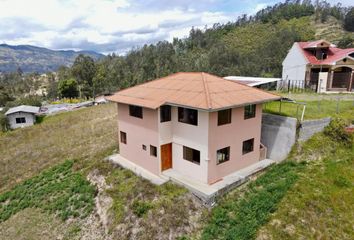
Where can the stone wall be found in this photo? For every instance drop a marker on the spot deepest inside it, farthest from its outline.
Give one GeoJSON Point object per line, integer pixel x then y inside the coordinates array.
{"type": "Point", "coordinates": [310, 127]}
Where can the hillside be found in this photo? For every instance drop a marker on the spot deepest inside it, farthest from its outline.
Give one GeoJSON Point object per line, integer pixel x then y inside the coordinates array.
{"type": "Point", "coordinates": [37, 59]}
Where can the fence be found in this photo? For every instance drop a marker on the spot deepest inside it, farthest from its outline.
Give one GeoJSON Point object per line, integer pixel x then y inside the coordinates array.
{"type": "Point", "coordinates": [311, 106]}
{"type": "Point", "coordinates": [296, 86]}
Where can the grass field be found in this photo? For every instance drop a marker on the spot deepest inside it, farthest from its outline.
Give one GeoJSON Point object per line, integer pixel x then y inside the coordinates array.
{"type": "Point", "coordinates": [81, 134]}
{"type": "Point", "coordinates": [317, 106]}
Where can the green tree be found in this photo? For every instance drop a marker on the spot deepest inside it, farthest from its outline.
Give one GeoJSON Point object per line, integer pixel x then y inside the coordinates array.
{"type": "Point", "coordinates": [349, 20]}
{"type": "Point", "coordinates": [84, 69]}
{"type": "Point", "coordinates": [68, 88]}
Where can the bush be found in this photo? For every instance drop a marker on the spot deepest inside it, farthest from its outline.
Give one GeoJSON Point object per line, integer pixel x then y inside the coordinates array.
{"type": "Point", "coordinates": [4, 123]}
{"type": "Point", "coordinates": [336, 131]}
{"type": "Point", "coordinates": [30, 100]}
{"type": "Point", "coordinates": [140, 208]}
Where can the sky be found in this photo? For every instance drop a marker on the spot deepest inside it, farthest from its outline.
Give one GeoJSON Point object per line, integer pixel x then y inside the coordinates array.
{"type": "Point", "coordinates": [108, 26]}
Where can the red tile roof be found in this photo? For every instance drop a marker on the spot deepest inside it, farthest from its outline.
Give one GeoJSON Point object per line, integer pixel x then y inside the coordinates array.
{"type": "Point", "coordinates": [334, 54]}
{"type": "Point", "coordinates": [192, 89]}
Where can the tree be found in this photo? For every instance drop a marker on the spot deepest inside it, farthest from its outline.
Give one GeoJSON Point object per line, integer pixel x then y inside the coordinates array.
{"type": "Point", "coordinates": [84, 70]}
{"type": "Point", "coordinates": [349, 20]}
{"type": "Point", "coordinates": [68, 88]}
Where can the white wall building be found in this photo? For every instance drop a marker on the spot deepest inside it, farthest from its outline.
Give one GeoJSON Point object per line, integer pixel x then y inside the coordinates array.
{"type": "Point", "coordinates": [22, 116]}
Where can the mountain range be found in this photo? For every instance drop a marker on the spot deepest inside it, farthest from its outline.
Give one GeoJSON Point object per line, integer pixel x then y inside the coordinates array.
{"type": "Point", "coordinates": [37, 59]}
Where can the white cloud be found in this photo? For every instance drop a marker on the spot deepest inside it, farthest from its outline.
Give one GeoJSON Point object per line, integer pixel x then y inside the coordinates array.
{"type": "Point", "coordinates": [99, 25]}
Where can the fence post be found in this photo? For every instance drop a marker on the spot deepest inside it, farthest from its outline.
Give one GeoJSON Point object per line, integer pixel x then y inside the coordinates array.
{"type": "Point", "coordinates": [288, 85]}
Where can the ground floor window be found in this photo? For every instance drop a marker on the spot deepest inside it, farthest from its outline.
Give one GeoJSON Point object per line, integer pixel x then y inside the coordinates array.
{"type": "Point", "coordinates": [247, 146]}
{"type": "Point", "coordinates": [153, 151]}
{"type": "Point", "coordinates": [20, 120]}
{"type": "Point", "coordinates": [123, 137]}
{"type": "Point", "coordinates": [191, 155]}
{"type": "Point", "coordinates": [223, 155]}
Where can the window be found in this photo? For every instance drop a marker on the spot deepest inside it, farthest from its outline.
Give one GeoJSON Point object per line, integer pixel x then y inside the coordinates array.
{"type": "Point", "coordinates": [224, 117]}
{"type": "Point", "coordinates": [123, 137]}
{"type": "Point", "coordinates": [191, 155]}
{"type": "Point", "coordinates": [136, 111]}
{"type": "Point", "coordinates": [223, 155]}
{"type": "Point", "coordinates": [189, 116]}
{"type": "Point", "coordinates": [153, 151]}
{"type": "Point", "coordinates": [250, 111]}
{"type": "Point", "coordinates": [165, 113]}
{"type": "Point", "coordinates": [144, 147]}
{"type": "Point", "coordinates": [20, 120]}
{"type": "Point", "coordinates": [247, 146]}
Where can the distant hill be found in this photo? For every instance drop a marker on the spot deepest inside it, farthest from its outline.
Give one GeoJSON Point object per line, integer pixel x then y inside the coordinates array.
{"type": "Point", "coordinates": [37, 59]}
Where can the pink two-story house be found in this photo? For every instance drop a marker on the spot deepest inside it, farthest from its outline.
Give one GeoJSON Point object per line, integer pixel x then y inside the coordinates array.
{"type": "Point", "coordinates": [200, 125]}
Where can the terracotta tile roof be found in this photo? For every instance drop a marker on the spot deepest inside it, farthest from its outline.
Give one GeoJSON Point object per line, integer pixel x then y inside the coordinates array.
{"type": "Point", "coordinates": [334, 54]}
{"type": "Point", "coordinates": [192, 89]}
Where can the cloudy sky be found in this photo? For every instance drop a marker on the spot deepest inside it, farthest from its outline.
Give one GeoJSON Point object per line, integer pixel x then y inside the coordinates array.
{"type": "Point", "coordinates": [112, 25]}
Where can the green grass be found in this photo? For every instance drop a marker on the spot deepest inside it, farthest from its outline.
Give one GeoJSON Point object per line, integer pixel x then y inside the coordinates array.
{"type": "Point", "coordinates": [321, 203]}
{"type": "Point", "coordinates": [238, 217]}
{"type": "Point", "coordinates": [314, 109]}
{"type": "Point", "coordinates": [82, 135]}
{"type": "Point", "coordinates": [58, 190]}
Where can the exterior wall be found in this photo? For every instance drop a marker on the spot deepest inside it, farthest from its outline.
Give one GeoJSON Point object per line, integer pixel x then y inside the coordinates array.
{"type": "Point", "coordinates": [278, 135]}
{"type": "Point", "coordinates": [191, 136]}
{"type": "Point", "coordinates": [294, 64]}
{"type": "Point", "coordinates": [232, 135]}
{"type": "Point", "coordinates": [310, 127]}
{"type": "Point", "coordinates": [30, 119]}
{"type": "Point", "coordinates": [139, 131]}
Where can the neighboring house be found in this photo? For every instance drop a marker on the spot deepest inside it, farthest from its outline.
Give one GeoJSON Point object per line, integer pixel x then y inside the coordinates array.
{"type": "Point", "coordinates": [259, 82]}
{"type": "Point", "coordinates": [319, 65]}
{"type": "Point", "coordinates": [200, 125]}
{"type": "Point", "coordinates": [100, 100]}
{"type": "Point", "coordinates": [22, 116]}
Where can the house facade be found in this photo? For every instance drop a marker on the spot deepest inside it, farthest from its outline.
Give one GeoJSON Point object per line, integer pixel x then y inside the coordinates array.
{"type": "Point", "coordinates": [197, 124]}
{"type": "Point", "coordinates": [319, 65]}
{"type": "Point", "coordinates": [22, 116]}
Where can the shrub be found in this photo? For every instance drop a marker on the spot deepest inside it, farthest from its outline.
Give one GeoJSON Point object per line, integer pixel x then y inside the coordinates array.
{"type": "Point", "coordinates": [336, 131]}
{"type": "Point", "coordinates": [140, 208]}
{"type": "Point", "coordinates": [4, 123]}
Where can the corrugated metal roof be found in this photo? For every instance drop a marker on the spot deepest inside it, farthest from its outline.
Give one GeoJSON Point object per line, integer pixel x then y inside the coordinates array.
{"type": "Point", "coordinates": [252, 81]}
{"type": "Point", "coordinates": [192, 89]}
{"type": "Point", "coordinates": [23, 108]}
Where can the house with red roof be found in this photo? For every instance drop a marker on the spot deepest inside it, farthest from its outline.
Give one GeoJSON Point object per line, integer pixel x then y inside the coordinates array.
{"type": "Point", "coordinates": [320, 65]}
{"type": "Point", "coordinates": [194, 124]}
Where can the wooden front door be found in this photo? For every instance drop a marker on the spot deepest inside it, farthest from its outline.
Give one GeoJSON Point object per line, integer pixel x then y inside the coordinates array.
{"type": "Point", "coordinates": [166, 156]}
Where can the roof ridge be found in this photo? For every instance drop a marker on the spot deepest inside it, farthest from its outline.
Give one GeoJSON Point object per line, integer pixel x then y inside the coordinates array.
{"type": "Point", "coordinates": [206, 91]}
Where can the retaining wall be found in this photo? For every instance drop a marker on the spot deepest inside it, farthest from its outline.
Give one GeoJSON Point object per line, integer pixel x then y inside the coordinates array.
{"type": "Point", "coordinates": [310, 127]}
{"type": "Point", "coordinates": [278, 135]}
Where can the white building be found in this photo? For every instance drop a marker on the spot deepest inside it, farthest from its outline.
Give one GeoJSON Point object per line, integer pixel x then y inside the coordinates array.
{"type": "Point", "coordinates": [22, 116]}
{"type": "Point", "coordinates": [319, 65]}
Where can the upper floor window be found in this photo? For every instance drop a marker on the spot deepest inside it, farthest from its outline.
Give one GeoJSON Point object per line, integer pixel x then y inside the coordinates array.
{"type": "Point", "coordinates": [223, 155]}
{"type": "Point", "coordinates": [247, 146]}
{"type": "Point", "coordinates": [20, 120]}
{"type": "Point", "coordinates": [250, 111]}
{"type": "Point", "coordinates": [189, 116]}
{"type": "Point", "coordinates": [191, 155]}
{"type": "Point", "coordinates": [224, 117]}
{"type": "Point", "coordinates": [136, 111]}
{"type": "Point", "coordinates": [165, 113]}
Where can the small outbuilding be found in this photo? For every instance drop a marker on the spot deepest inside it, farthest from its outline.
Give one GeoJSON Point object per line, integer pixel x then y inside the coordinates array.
{"type": "Point", "coordinates": [22, 116]}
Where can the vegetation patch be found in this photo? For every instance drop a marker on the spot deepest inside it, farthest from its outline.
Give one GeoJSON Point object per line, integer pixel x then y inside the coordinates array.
{"type": "Point", "coordinates": [321, 203]}
{"type": "Point", "coordinates": [239, 217]}
{"type": "Point", "coordinates": [58, 190]}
